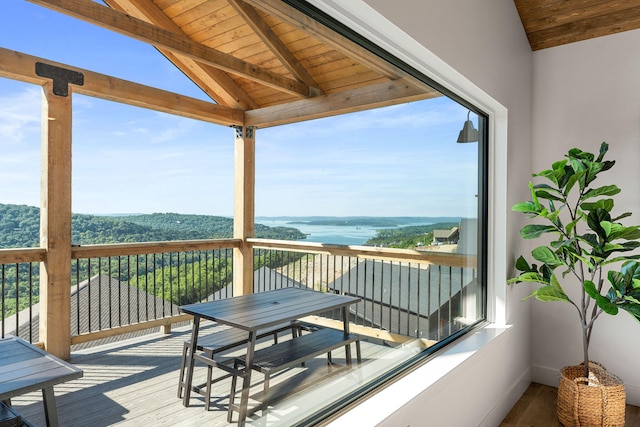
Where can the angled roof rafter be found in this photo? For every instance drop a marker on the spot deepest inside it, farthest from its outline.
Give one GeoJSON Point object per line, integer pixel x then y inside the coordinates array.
{"type": "Point", "coordinates": [255, 21]}
{"type": "Point", "coordinates": [312, 27]}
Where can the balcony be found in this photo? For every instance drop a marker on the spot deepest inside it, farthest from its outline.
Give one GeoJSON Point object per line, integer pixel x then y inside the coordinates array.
{"type": "Point", "coordinates": [411, 302]}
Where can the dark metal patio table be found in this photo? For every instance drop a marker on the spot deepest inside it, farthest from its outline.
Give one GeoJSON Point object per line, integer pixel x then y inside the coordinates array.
{"type": "Point", "coordinates": [25, 368]}
{"type": "Point", "coordinates": [258, 311]}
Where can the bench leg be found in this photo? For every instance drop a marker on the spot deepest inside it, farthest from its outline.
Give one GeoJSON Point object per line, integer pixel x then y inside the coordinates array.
{"type": "Point", "coordinates": [207, 393]}
{"type": "Point", "coordinates": [183, 364]}
{"type": "Point", "coordinates": [265, 392]}
{"type": "Point", "coordinates": [358, 354]}
{"type": "Point", "coordinates": [232, 395]}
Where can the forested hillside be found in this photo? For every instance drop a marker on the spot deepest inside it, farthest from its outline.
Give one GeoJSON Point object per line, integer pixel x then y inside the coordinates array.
{"type": "Point", "coordinates": [408, 237]}
{"type": "Point", "coordinates": [20, 228]}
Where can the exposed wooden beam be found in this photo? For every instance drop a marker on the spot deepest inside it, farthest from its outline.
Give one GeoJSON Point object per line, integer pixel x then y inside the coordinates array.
{"type": "Point", "coordinates": [327, 36]}
{"type": "Point", "coordinates": [271, 40]}
{"type": "Point", "coordinates": [20, 66]}
{"type": "Point", "coordinates": [380, 95]}
{"type": "Point", "coordinates": [122, 23]}
{"type": "Point", "coordinates": [215, 83]}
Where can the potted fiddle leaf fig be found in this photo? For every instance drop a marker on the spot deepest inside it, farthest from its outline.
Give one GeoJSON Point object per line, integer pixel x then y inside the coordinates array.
{"type": "Point", "coordinates": [588, 248]}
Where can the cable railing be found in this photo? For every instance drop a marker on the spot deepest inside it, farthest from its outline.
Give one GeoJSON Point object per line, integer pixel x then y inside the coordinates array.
{"type": "Point", "coordinates": [404, 294]}
{"type": "Point", "coordinates": [117, 289]}
{"type": "Point", "coordinates": [125, 288]}
{"type": "Point", "coordinates": [142, 286]}
{"type": "Point", "coordinates": [20, 292]}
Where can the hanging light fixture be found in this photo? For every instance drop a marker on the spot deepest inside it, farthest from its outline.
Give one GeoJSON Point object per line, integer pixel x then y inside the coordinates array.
{"type": "Point", "coordinates": [468, 132]}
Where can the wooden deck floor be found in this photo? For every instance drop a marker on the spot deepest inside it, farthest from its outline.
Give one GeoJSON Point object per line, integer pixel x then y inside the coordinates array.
{"type": "Point", "coordinates": [134, 383]}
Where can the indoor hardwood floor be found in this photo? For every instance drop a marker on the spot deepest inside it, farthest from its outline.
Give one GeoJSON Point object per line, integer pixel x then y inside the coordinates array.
{"type": "Point", "coordinates": [537, 408]}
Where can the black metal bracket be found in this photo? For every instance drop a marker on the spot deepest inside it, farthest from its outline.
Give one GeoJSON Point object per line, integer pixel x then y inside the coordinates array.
{"type": "Point", "coordinates": [249, 131]}
{"type": "Point", "coordinates": [61, 77]}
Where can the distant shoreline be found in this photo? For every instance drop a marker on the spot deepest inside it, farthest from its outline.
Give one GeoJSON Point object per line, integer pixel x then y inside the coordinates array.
{"type": "Point", "coordinates": [378, 222]}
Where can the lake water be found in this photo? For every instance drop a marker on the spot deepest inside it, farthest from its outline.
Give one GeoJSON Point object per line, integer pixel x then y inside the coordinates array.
{"type": "Point", "coordinates": [341, 235]}
{"type": "Point", "coordinates": [337, 234]}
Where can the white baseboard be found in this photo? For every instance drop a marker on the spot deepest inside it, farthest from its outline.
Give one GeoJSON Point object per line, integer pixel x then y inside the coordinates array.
{"type": "Point", "coordinates": [550, 376]}
{"type": "Point", "coordinates": [508, 401]}
{"type": "Point", "coordinates": [545, 375]}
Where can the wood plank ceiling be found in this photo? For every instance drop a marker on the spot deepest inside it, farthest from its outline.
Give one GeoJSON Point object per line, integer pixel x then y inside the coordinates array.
{"type": "Point", "coordinates": [262, 57]}
{"type": "Point", "coordinates": [550, 23]}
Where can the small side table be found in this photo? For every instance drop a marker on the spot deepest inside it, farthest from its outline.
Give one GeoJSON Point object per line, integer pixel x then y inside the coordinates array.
{"type": "Point", "coordinates": [25, 368]}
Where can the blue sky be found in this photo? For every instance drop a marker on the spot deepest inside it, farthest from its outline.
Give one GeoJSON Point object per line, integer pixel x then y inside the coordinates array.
{"type": "Point", "coordinates": [396, 161]}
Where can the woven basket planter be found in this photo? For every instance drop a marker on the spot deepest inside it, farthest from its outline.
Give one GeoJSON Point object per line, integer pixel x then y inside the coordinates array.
{"type": "Point", "coordinates": [595, 401]}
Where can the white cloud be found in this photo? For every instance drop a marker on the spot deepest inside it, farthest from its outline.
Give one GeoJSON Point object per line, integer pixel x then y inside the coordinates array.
{"type": "Point", "coordinates": [20, 113]}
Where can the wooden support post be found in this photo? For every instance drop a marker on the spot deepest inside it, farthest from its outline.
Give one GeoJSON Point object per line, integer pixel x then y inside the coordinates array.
{"type": "Point", "coordinates": [55, 223]}
{"type": "Point", "coordinates": [244, 206]}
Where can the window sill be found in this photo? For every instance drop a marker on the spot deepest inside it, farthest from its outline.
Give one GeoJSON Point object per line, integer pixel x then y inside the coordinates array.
{"type": "Point", "coordinates": [384, 403]}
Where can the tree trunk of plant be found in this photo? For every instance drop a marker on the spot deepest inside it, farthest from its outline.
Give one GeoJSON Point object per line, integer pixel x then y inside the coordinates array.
{"type": "Point", "coordinates": [586, 335]}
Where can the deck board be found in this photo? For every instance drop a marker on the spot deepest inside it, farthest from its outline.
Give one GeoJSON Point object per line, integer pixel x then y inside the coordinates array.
{"type": "Point", "coordinates": [134, 383]}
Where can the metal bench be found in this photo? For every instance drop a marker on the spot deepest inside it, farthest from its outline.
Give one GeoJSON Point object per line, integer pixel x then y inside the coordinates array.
{"type": "Point", "coordinates": [296, 351]}
{"type": "Point", "coordinates": [217, 342]}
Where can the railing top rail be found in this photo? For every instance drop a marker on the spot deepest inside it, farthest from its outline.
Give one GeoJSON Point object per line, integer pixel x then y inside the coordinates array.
{"type": "Point", "coordinates": [426, 257]}
{"type": "Point", "coordinates": [17, 255]}
{"type": "Point", "coordinates": [92, 251]}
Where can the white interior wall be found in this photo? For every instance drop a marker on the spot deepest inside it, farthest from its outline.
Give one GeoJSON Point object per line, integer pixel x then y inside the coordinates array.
{"type": "Point", "coordinates": [585, 93]}
{"type": "Point", "coordinates": [485, 42]}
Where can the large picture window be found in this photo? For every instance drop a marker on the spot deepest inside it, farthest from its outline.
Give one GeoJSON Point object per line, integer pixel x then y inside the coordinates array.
{"type": "Point", "coordinates": [409, 180]}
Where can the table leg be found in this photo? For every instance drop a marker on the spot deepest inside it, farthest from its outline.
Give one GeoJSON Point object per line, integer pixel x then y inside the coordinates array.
{"type": "Point", "coordinates": [246, 383]}
{"type": "Point", "coordinates": [190, 360]}
{"type": "Point", "coordinates": [50, 411]}
{"type": "Point", "coordinates": [345, 322]}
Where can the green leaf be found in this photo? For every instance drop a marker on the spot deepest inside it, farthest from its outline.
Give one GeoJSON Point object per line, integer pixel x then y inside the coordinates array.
{"type": "Point", "coordinates": [526, 207]}
{"type": "Point", "coordinates": [522, 264]}
{"type": "Point", "coordinates": [604, 147]}
{"type": "Point", "coordinates": [595, 218]}
{"type": "Point", "coordinates": [547, 256]}
{"type": "Point", "coordinates": [628, 233]}
{"type": "Point", "coordinates": [632, 309]}
{"type": "Point", "coordinates": [611, 247]}
{"type": "Point", "coordinates": [548, 188]}
{"type": "Point", "coordinates": [619, 217]}
{"type": "Point", "coordinates": [548, 196]}
{"type": "Point", "coordinates": [617, 281]}
{"type": "Point", "coordinates": [607, 306]}
{"type": "Point", "coordinates": [552, 292]}
{"type": "Point", "coordinates": [606, 204]}
{"type": "Point", "coordinates": [533, 231]}
{"type": "Point", "coordinates": [590, 288]}
{"type": "Point", "coordinates": [572, 181]}
{"type": "Point", "coordinates": [529, 277]}
{"type": "Point", "coordinates": [607, 190]}
{"type": "Point", "coordinates": [631, 299]}
{"type": "Point", "coordinates": [604, 303]}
